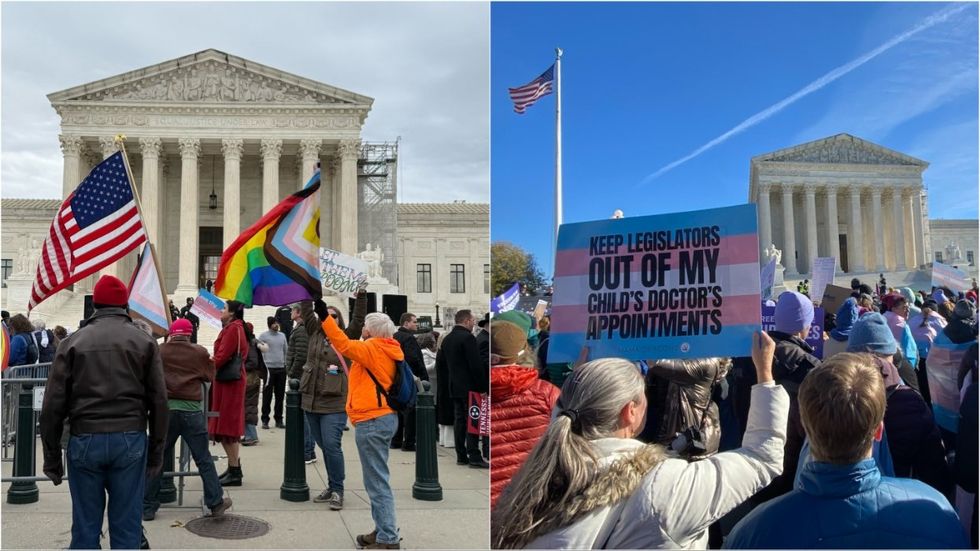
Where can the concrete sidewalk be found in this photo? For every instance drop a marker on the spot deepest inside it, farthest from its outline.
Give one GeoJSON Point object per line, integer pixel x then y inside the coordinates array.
{"type": "Point", "coordinates": [460, 520]}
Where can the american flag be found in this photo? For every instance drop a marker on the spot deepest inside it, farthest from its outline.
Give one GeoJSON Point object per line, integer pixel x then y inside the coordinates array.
{"type": "Point", "coordinates": [525, 96]}
{"type": "Point", "coordinates": [96, 225]}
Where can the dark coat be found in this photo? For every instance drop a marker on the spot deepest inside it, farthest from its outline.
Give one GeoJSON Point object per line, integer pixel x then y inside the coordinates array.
{"type": "Point", "coordinates": [299, 345]}
{"type": "Point", "coordinates": [413, 352]}
{"type": "Point", "coordinates": [483, 345]}
{"type": "Point", "coordinates": [466, 372]}
{"type": "Point", "coordinates": [688, 400]}
{"type": "Point", "coordinates": [284, 317]}
{"type": "Point", "coordinates": [186, 367]}
{"type": "Point", "coordinates": [323, 392]}
{"type": "Point", "coordinates": [444, 400]}
{"type": "Point", "coordinates": [106, 377]}
{"type": "Point", "coordinates": [255, 374]}
{"type": "Point", "coordinates": [914, 439]}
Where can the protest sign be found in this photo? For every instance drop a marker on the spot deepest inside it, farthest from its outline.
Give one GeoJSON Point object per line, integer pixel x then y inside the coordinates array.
{"type": "Point", "coordinates": [823, 275]}
{"type": "Point", "coordinates": [343, 274]}
{"type": "Point", "coordinates": [506, 301]}
{"type": "Point", "coordinates": [208, 307]}
{"type": "Point", "coordinates": [768, 277]}
{"type": "Point", "coordinates": [944, 275]}
{"type": "Point", "coordinates": [478, 414]}
{"type": "Point", "coordinates": [539, 309]}
{"type": "Point", "coordinates": [682, 285]}
{"type": "Point", "coordinates": [814, 338]}
{"type": "Point", "coordinates": [833, 297]}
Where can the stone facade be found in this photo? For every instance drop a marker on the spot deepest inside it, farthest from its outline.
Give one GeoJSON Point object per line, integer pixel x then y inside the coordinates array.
{"type": "Point", "coordinates": [434, 239]}
{"type": "Point", "coordinates": [212, 123]}
{"type": "Point", "coordinates": [952, 238]}
{"type": "Point", "coordinates": [843, 197]}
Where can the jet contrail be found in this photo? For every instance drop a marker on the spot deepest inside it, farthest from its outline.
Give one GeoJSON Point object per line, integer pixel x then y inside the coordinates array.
{"type": "Point", "coordinates": [833, 75]}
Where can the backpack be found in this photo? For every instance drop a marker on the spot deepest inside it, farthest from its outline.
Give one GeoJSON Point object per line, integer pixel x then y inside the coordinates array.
{"type": "Point", "coordinates": [403, 393]}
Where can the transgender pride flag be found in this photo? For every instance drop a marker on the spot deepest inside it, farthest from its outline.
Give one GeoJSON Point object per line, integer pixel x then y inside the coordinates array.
{"type": "Point", "coordinates": [147, 300]}
{"type": "Point", "coordinates": [682, 285]}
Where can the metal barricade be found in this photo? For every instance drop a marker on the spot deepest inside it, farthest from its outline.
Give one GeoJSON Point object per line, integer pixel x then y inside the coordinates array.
{"type": "Point", "coordinates": [13, 380]}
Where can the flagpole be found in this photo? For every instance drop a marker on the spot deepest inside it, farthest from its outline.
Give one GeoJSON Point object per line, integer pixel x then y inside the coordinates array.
{"type": "Point", "coordinates": [558, 209]}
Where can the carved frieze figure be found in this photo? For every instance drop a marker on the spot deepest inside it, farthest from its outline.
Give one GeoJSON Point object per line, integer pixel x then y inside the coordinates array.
{"type": "Point", "coordinates": [229, 87]}
{"type": "Point", "coordinates": [194, 85]}
{"type": "Point", "coordinates": [176, 90]}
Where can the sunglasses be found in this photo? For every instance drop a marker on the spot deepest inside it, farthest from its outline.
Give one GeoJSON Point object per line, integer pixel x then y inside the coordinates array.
{"type": "Point", "coordinates": [333, 315]}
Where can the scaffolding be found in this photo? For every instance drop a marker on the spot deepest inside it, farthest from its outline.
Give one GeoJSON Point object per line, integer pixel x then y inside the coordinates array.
{"type": "Point", "coordinates": [377, 203]}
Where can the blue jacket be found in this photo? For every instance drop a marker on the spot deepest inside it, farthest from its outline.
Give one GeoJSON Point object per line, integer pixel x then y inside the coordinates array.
{"type": "Point", "coordinates": [20, 350]}
{"type": "Point", "coordinates": [851, 506]}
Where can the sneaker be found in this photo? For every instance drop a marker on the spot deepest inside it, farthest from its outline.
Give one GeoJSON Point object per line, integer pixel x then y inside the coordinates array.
{"type": "Point", "coordinates": [220, 508]}
{"type": "Point", "coordinates": [336, 501]}
{"type": "Point", "coordinates": [364, 540]}
{"type": "Point", "coordinates": [250, 442]}
{"type": "Point", "coordinates": [311, 460]}
{"type": "Point", "coordinates": [324, 497]}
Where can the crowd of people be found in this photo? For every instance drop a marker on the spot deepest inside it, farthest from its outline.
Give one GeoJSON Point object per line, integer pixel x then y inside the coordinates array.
{"type": "Point", "coordinates": [876, 436]}
{"type": "Point", "coordinates": [117, 399]}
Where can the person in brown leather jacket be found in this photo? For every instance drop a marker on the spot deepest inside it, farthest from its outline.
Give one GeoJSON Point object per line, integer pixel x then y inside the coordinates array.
{"type": "Point", "coordinates": [186, 367]}
{"type": "Point", "coordinates": [107, 379]}
{"type": "Point", "coordinates": [688, 403]}
{"type": "Point", "coordinates": [323, 385]}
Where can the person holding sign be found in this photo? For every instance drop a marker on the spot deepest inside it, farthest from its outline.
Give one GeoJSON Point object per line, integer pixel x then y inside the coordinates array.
{"type": "Point", "coordinates": [590, 484]}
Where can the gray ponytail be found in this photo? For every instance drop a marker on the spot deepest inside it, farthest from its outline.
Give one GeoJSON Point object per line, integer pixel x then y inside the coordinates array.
{"type": "Point", "coordinates": [560, 481]}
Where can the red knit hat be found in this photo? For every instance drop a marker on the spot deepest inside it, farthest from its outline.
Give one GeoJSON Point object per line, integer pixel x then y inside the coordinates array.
{"type": "Point", "coordinates": [181, 327]}
{"type": "Point", "coordinates": [110, 291]}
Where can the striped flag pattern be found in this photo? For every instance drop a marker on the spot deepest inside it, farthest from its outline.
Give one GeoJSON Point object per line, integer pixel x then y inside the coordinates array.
{"type": "Point", "coordinates": [97, 224]}
{"type": "Point", "coordinates": [147, 300]}
{"type": "Point", "coordinates": [525, 96]}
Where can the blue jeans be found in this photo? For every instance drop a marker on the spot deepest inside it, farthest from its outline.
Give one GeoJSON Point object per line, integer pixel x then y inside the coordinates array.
{"type": "Point", "coordinates": [373, 438]}
{"type": "Point", "coordinates": [193, 427]}
{"type": "Point", "coordinates": [327, 429]}
{"type": "Point", "coordinates": [101, 463]}
{"type": "Point", "coordinates": [251, 432]}
{"type": "Point", "coordinates": [309, 444]}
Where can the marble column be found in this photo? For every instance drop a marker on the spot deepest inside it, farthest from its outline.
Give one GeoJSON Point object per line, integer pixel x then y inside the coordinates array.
{"type": "Point", "coordinates": [899, 232]}
{"type": "Point", "coordinates": [908, 210]}
{"type": "Point", "coordinates": [833, 230]}
{"type": "Point", "coordinates": [150, 195]}
{"type": "Point", "coordinates": [855, 234]}
{"type": "Point", "coordinates": [878, 229]}
{"type": "Point", "coordinates": [765, 218]}
{"type": "Point", "coordinates": [71, 148]}
{"type": "Point", "coordinates": [349, 150]}
{"type": "Point", "coordinates": [271, 150]}
{"type": "Point", "coordinates": [335, 218]}
{"type": "Point", "coordinates": [789, 232]}
{"type": "Point", "coordinates": [310, 152]}
{"type": "Point", "coordinates": [810, 217]}
{"type": "Point", "coordinates": [326, 204]}
{"type": "Point", "coordinates": [187, 277]}
{"type": "Point", "coordinates": [232, 149]}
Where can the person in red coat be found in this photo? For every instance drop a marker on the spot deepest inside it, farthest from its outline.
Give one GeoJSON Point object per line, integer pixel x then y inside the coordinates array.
{"type": "Point", "coordinates": [228, 397]}
{"type": "Point", "coordinates": [520, 404]}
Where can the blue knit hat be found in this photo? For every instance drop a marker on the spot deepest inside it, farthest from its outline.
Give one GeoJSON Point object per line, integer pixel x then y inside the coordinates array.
{"type": "Point", "coordinates": [794, 312]}
{"type": "Point", "coordinates": [872, 334]}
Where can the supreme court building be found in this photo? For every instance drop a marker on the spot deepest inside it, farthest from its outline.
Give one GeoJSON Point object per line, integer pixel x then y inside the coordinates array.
{"type": "Point", "coordinates": [843, 197]}
{"type": "Point", "coordinates": [214, 141]}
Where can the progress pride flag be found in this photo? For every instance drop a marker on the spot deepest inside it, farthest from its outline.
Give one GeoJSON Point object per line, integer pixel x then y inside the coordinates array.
{"type": "Point", "coordinates": [681, 285]}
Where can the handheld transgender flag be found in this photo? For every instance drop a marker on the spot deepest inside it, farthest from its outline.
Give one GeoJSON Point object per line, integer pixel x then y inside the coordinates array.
{"type": "Point", "coordinates": [96, 225]}
{"type": "Point", "coordinates": [147, 300]}
{"type": "Point", "coordinates": [525, 96]}
{"type": "Point", "coordinates": [276, 261]}
{"type": "Point", "coordinates": [681, 285]}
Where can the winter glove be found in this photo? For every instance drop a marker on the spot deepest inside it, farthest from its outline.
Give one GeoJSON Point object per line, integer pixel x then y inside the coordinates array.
{"type": "Point", "coordinates": [320, 308]}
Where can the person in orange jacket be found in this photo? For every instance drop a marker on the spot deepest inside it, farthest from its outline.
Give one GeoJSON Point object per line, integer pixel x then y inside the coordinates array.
{"type": "Point", "coordinates": [374, 420]}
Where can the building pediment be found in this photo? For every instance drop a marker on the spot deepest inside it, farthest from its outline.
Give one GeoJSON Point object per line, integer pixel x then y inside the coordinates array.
{"type": "Point", "coordinates": [840, 149]}
{"type": "Point", "coordinates": [210, 76]}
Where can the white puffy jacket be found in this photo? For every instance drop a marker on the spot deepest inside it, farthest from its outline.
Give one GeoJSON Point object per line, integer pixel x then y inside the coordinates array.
{"type": "Point", "coordinates": [677, 501]}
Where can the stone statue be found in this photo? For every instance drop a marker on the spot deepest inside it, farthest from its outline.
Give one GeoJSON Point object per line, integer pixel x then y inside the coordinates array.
{"type": "Point", "coordinates": [194, 85]}
{"type": "Point", "coordinates": [373, 258]}
{"type": "Point", "coordinates": [771, 252]}
{"type": "Point", "coordinates": [176, 90]}
{"type": "Point", "coordinates": [229, 87]}
{"type": "Point", "coordinates": [953, 251]}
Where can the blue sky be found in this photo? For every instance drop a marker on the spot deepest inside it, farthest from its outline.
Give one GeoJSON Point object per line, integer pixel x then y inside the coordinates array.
{"type": "Point", "coordinates": [646, 85]}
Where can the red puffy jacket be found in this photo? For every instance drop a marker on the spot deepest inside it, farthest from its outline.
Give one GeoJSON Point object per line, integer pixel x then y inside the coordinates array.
{"type": "Point", "coordinates": [520, 411]}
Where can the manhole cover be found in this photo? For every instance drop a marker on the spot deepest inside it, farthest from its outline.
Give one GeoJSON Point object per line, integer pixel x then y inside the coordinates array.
{"type": "Point", "coordinates": [228, 527]}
